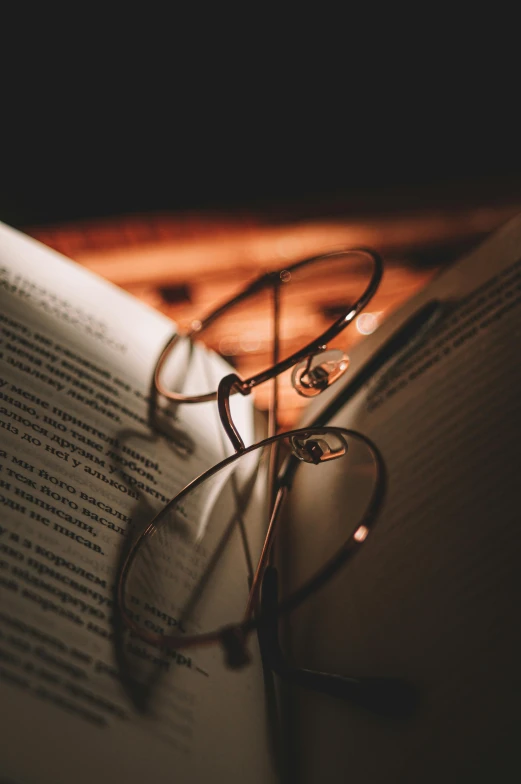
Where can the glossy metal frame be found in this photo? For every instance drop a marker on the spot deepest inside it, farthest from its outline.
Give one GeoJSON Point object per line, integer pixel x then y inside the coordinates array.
{"type": "Point", "coordinates": [385, 695]}
{"type": "Point", "coordinates": [273, 280]}
{"type": "Point", "coordinates": [250, 622]}
{"type": "Point", "coordinates": [232, 384]}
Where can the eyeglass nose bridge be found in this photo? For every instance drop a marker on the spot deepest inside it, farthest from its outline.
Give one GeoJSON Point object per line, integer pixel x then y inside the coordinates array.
{"type": "Point", "coordinates": [227, 386]}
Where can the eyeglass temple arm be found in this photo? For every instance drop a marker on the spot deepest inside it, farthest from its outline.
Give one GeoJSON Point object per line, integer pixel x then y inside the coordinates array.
{"type": "Point", "coordinates": [390, 697]}
{"type": "Point", "coordinates": [232, 383]}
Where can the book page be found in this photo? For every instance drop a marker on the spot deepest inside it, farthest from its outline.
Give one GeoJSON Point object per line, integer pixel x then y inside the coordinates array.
{"type": "Point", "coordinates": [80, 471]}
{"type": "Point", "coordinates": [433, 596]}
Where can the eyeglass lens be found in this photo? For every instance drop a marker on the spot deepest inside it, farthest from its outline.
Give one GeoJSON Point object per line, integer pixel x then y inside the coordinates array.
{"type": "Point", "coordinates": [312, 296]}
{"type": "Point", "coordinates": [192, 572]}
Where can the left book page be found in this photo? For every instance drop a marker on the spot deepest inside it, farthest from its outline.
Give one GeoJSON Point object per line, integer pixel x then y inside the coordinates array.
{"type": "Point", "coordinates": [79, 470]}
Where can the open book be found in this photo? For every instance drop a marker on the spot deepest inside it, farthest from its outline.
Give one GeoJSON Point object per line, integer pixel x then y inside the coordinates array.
{"type": "Point", "coordinates": [434, 595]}
{"type": "Point", "coordinates": [79, 469]}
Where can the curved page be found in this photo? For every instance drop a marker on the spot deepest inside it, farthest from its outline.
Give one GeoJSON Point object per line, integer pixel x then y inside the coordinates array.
{"type": "Point", "coordinates": [433, 596]}
{"type": "Point", "coordinates": [80, 472]}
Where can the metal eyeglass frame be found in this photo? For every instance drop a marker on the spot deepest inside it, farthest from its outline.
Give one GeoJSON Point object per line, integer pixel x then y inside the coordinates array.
{"type": "Point", "coordinates": [274, 281]}
{"type": "Point", "coordinates": [384, 695]}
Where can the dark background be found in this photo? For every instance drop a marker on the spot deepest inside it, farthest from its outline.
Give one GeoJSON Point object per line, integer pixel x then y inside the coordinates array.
{"type": "Point", "coordinates": [109, 116]}
{"type": "Point", "coordinates": [59, 168]}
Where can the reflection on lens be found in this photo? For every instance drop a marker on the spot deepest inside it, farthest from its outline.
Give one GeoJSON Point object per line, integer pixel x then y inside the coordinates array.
{"type": "Point", "coordinates": [191, 572]}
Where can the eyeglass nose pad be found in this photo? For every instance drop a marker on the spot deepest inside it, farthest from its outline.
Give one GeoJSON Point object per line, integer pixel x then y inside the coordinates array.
{"type": "Point", "coordinates": [310, 378]}
{"type": "Point", "coordinates": [316, 450]}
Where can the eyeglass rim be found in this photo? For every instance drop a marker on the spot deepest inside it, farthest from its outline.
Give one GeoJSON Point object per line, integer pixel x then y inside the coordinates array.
{"type": "Point", "coordinates": [313, 347]}
{"type": "Point", "coordinates": [313, 583]}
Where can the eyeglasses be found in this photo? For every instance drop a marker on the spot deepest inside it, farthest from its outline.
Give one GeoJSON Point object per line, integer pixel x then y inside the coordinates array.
{"type": "Point", "coordinates": [181, 583]}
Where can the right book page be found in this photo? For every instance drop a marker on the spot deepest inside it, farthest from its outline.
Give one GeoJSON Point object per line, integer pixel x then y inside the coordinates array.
{"type": "Point", "coordinates": [434, 594]}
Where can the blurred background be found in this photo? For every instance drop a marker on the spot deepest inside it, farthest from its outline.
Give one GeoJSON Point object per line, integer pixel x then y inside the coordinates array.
{"type": "Point", "coordinates": [183, 219]}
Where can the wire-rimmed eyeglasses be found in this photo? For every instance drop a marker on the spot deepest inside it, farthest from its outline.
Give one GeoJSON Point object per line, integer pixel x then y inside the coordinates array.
{"type": "Point", "coordinates": [186, 558]}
